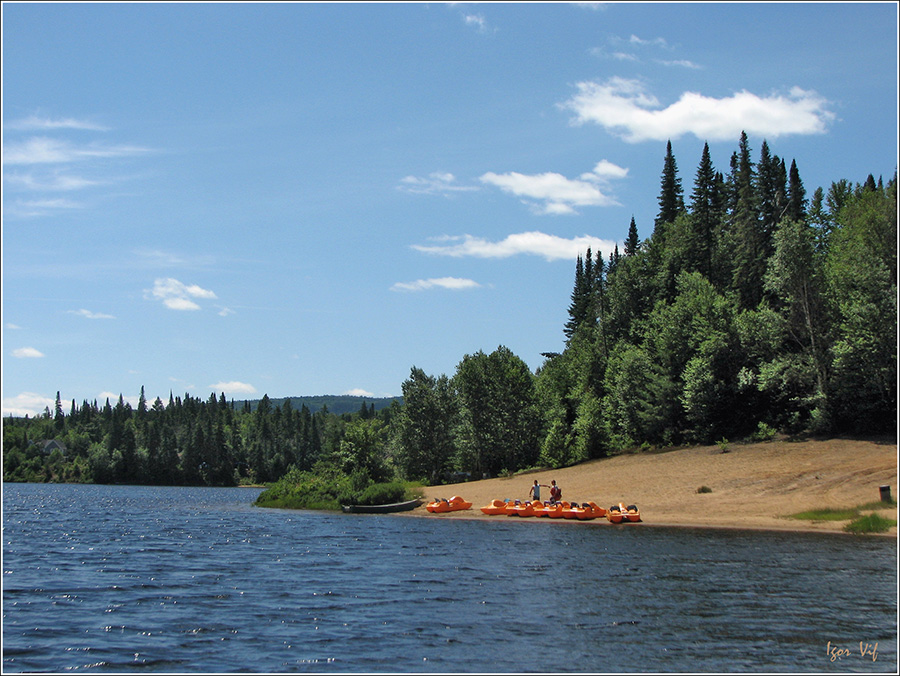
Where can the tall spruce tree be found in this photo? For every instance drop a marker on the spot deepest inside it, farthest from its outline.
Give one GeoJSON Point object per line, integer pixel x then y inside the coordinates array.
{"type": "Point", "coordinates": [749, 242]}
{"type": "Point", "coordinates": [767, 191]}
{"type": "Point", "coordinates": [704, 214]}
{"type": "Point", "coordinates": [671, 198]}
{"type": "Point", "coordinates": [796, 195]}
{"type": "Point", "coordinates": [580, 298]}
{"type": "Point", "coordinates": [632, 242]}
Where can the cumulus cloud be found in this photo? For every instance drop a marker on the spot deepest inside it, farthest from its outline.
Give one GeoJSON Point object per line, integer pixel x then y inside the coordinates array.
{"type": "Point", "coordinates": [233, 387]}
{"type": "Point", "coordinates": [550, 247]}
{"type": "Point", "coordinates": [436, 183]}
{"type": "Point", "coordinates": [27, 353]}
{"type": "Point", "coordinates": [452, 283]}
{"type": "Point", "coordinates": [27, 403]}
{"type": "Point", "coordinates": [552, 193]}
{"type": "Point", "coordinates": [625, 108]}
{"type": "Point", "coordinates": [359, 392]}
{"type": "Point", "coordinates": [176, 295]}
{"type": "Point", "coordinates": [87, 314]}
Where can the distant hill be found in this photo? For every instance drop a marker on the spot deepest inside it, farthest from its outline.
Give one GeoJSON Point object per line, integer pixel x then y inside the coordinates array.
{"type": "Point", "coordinates": [336, 403]}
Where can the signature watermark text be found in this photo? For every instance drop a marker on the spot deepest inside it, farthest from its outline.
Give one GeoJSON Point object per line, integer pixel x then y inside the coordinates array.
{"type": "Point", "coordinates": [866, 650]}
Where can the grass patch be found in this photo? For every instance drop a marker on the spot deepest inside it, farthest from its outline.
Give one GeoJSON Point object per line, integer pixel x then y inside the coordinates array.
{"type": "Point", "coordinates": [870, 523]}
{"type": "Point", "coordinates": [828, 514]}
{"type": "Point", "coordinates": [879, 504]}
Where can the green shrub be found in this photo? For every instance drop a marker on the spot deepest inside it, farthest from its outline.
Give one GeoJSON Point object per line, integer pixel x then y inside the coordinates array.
{"type": "Point", "coordinates": [305, 490]}
{"type": "Point", "coordinates": [763, 432]}
{"type": "Point", "coordinates": [723, 445]}
{"type": "Point", "coordinates": [382, 494]}
{"type": "Point", "coordinates": [870, 523]}
{"type": "Point", "coordinates": [704, 489]}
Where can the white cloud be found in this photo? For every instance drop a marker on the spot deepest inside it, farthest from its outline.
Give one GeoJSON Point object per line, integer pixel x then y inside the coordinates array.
{"type": "Point", "coordinates": [452, 283]}
{"type": "Point", "coordinates": [225, 311]}
{"type": "Point", "coordinates": [625, 108]}
{"type": "Point", "coordinates": [54, 182]}
{"type": "Point", "coordinates": [14, 327]}
{"type": "Point", "coordinates": [233, 387]}
{"type": "Point", "coordinates": [436, 183]}
{"type": "Point", "coordinates": [359, 392]}
{"type": "Point", "coordinates": [176, 295]}
{"type": "Point", "coordinates": [34, 122]}
{"type": "Point", "coordinates": [556, 194]}
{"type": "Point", "coordinates": [44, 150]}
{"type": "Point", "coordinates": [476, 20]}
{"type": "Point", "coordinates": [27, 353]}
{"type": "Point", "coordinates": [655, 42]}
{"type": "Point", "coordinates": [549, 247]}
{"type": "Point", "coordinates": [87, 314]}
{"type": "Point", "coordinates": [682, 63]}
{"type": "Point", "coordinates": [605, 170]}
{"type": "Point", "coordinates": [42, 206]}
{"type": "Point", "coordinates": [27, 403]}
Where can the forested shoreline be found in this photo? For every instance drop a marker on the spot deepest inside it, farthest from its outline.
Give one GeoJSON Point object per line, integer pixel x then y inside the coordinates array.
{"type": "Point", "coordinates": [750, 309]}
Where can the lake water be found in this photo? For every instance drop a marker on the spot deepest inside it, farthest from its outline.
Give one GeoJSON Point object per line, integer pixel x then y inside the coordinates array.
{"type": "Point", "coordinates": [126, 578]}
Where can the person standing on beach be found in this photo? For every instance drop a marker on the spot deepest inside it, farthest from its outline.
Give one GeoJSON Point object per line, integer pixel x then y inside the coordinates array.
{"type": "Point", "coordinates": [555, 492]}
{"type": "Point", "coordinates": [535, 492]}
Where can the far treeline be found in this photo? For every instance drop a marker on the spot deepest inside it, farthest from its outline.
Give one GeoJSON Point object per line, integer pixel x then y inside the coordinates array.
{"type": "Point", "coordinates": [750, 310]}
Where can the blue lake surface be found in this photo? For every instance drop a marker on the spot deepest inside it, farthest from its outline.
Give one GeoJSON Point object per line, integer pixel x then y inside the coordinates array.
{"type": "Point", "coordinates": [163, 579]}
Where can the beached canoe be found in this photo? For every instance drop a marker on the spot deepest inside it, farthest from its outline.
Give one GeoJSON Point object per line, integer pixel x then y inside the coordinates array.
{"type": "Point", "coordinates": [382, 509]}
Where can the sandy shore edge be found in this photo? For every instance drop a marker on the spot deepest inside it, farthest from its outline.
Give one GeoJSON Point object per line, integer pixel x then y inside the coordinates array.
{"type": "Point", "coordinates": [755, 486]}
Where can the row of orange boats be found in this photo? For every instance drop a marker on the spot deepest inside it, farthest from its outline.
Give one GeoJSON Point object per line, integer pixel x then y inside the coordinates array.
{"type": "Point", "coordinates": [564, 510]}
{"type": "Point", "coordinates": [555, 510]}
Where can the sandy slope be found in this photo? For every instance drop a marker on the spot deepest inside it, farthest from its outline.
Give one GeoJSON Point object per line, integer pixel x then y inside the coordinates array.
{"type": "Point", "coordinates": [753, 485]}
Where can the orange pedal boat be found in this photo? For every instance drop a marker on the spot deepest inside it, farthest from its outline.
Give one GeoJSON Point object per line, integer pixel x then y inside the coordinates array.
{"type": "Point", "coordinates": [622, 514]}
{"type": "Point", "coordinates": [454, 504]}
{"type": "Point", "coordinates": [496, 507]}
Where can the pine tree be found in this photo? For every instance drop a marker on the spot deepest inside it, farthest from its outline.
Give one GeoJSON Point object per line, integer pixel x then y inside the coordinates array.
{"type": "Point", "coordinates": [632, 242]}
{"type": "Point", "coordinates": [749, 242]}
{"type": "Point", "coordinates": [796, 206]}
{"type": "Point", "coordinates": [582, 309]}
{"type": "Point", "coordinates": [767, 184]}
{"type": "Point", "coordinates": [704, 214]}
{"type": "Point", "coordinates": [671, 200]}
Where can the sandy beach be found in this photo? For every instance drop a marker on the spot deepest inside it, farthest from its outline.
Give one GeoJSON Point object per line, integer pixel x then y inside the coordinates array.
{"type": "Point", "coordinates": [753, 486]}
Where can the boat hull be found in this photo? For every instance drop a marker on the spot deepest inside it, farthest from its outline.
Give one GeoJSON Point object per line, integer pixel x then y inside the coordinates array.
{"type": "Point", "coordinates": [382, 509]}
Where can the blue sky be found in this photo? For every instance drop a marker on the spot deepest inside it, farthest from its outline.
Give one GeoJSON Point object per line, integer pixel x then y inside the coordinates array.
{"type": "Point", "coordinates": [302, 199]}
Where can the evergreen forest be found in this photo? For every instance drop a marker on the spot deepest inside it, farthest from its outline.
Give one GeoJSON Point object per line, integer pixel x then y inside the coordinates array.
{"type": "Point", "coordinates": [750, 309]}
